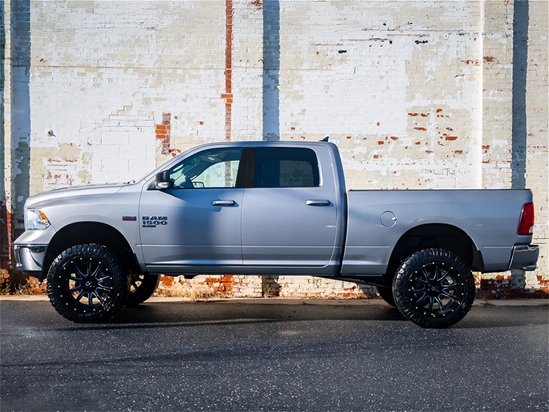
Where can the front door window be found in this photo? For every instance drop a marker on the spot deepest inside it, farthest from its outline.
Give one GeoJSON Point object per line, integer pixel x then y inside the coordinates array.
{"type": "Point", "coordinates": [210, 169]}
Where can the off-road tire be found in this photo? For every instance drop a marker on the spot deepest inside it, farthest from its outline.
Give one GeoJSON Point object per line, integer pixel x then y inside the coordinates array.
{"type": "Point", "coordinates": [434, 288]}
{"type": "Point", "coordinates": [86, 283]}
{"type": "Point", "coordinates": [142, 288]}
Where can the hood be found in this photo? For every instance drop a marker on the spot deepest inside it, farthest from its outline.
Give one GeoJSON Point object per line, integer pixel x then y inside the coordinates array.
{"type": "Point", "coordinates": [55, 195]}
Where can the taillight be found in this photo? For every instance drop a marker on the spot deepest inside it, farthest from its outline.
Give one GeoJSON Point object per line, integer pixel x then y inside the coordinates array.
{"type": "Point", "coordinates": [526, 224]}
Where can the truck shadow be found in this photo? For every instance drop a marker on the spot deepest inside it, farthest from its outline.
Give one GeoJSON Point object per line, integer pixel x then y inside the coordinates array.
{"type": "Point", "coordinates": [163, 314]}
{"type": "Point", "coordinates": [217, 311]}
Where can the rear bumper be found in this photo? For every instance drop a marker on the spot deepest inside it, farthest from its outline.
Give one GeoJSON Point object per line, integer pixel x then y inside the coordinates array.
{"type": "Point", "coordinates": [29, 259]}
{"type": "Point", "coordinates": [524, 257]}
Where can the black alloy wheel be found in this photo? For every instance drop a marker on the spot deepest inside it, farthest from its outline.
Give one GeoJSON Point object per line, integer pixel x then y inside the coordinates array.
{"type": "Point", "coordinates": [87, 284]}
{"type": "Point", "coordinates": [434, 288]}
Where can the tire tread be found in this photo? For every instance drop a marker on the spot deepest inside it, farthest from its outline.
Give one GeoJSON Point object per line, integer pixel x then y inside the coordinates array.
{"type": "Point", "coordinates": [74, 312]}
{"type": "Point", "coordinates": [400, 285]}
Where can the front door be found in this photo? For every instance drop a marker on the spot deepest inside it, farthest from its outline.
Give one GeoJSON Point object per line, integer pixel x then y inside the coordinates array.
{"type": "Point", "coordinates": [196, 221]}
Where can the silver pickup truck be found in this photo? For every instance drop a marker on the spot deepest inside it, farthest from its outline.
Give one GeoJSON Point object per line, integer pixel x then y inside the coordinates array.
{"type": "Point", "coordinates": [265, 208]}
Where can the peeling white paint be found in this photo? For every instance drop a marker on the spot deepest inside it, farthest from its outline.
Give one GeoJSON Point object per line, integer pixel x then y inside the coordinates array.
{"type": "Point", "coordinates": [415, 94]}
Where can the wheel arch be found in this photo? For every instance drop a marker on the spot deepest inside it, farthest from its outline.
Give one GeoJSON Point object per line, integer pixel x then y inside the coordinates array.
{"type": "Point", "coordinates": [91, 232]}
{"type": "Point", "coordinates": [442, 236]}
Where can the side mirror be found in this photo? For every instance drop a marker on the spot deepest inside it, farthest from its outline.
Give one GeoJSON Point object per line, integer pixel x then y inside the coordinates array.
{"type": "Point", "coordinates": [163, 180]}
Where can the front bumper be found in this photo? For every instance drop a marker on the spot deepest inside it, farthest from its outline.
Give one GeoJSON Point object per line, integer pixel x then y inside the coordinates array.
{"type": "Point", "coordinates": [524, 257]}
{"type": "Point", "coordinates": [29, 259]}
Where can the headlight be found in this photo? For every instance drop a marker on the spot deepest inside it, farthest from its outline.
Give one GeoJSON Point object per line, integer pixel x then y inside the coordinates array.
{"type": "Point", "coordinates": [36, 219]}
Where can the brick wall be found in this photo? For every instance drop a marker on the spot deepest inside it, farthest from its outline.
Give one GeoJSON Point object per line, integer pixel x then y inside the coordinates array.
{"type": "Point", "coordinates": [430, 94]}
{"type": "Point", "coordinates": [537, 131]}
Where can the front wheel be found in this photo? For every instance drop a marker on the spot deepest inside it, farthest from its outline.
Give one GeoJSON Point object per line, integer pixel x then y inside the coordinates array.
{"type": "Point", "coordinates": [434, 288]}
{"type": "Point", "coordinates": [87, 284]}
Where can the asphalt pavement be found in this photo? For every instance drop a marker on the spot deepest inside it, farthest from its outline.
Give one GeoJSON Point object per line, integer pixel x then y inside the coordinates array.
{"type": "Point", "coordinates": [273, 355]}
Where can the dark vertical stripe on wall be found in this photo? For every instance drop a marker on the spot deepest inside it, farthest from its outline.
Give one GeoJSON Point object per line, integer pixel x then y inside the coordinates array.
{"type": "Point", "coordinates": [20, 112]}
{"type": "Point", "coordinates": [521, 17]}
{"type": "Point", "coordinates": [271, 70]}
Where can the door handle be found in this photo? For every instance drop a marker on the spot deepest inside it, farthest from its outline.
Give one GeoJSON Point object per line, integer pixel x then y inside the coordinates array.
{"type": "Point", "coordinates": [317, 203]}
{"type": "Point", "coordinates": [223, 203]}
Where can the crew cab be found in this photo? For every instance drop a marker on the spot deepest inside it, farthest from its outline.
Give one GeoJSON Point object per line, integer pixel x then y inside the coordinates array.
{"type": "Point", "coordinates": [258, 207]}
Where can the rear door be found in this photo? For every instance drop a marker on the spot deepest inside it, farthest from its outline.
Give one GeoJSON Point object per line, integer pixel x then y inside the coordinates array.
{"type": "Point", "coordinates": [289, 216]}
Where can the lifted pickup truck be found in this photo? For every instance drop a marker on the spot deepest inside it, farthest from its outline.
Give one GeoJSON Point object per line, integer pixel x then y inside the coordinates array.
{"type": "Point", "coordinates": [265, 208]}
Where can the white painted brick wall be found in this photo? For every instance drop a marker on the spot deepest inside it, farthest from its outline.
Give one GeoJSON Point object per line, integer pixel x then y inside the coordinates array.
{"type": "Point", "coordinates": [537, 175]}
{"type": "Point", "coordinates": [416, 94]}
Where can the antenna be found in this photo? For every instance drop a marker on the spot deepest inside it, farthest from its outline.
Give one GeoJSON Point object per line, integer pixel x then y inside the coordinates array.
{"type": "Point", "coordinates": [325, 139]}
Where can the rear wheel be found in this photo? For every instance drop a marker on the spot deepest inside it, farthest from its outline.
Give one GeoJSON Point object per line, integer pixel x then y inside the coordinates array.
{"type": "Point", "coordinates": [142, 288]}
{"type": "Point", "coordinates": [87, 284]}
{"type": "Point", "coordinates": [434, 288]}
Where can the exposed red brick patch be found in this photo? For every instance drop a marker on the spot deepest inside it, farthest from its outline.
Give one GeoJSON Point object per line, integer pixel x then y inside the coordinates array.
{"type": "Point", "coordinates": [163, 132]}
{"type": "Point", "coordinates": [167, 281]}
{"type": "Point", "coordinates": [451, 138]}
{"type": "Point", "coordinates": [503, 287]}
{"type": "Point", "coordinates": [423, 129]}
{"type": "Point", "coordinates": [222, 284]}
{"type": "Point", "coordinates": [473, 62]}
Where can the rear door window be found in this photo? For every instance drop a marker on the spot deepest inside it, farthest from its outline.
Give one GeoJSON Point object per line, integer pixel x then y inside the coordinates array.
{"type": "Point", "coordinates": [286, 167]}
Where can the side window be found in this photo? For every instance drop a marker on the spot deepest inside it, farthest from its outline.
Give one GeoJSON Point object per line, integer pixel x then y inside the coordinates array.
{"type": "Point", "coordinates": [285, 167]}
{"type": "Point", "coordinates": [214, 168]}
